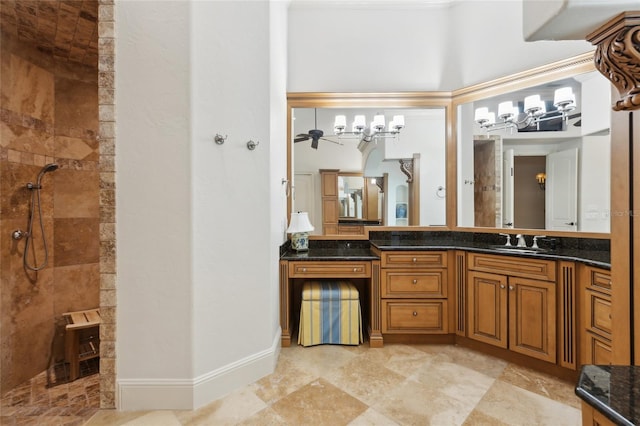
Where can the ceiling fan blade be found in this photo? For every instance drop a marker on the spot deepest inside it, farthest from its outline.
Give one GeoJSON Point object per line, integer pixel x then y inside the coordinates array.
{"type": "Point", "coordinates": [301, 138]}
{"type": "Point", "coordinates": [332, 141]}
{"type": "Point", "coordinates": [314, 143]}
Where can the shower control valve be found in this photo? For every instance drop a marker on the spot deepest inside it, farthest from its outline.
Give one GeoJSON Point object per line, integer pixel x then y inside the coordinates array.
{"type": "Point", "coordinates": [18, 234]}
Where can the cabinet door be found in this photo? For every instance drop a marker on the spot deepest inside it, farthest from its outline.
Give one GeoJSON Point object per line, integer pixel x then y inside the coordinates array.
{"type": "Point", "coordinates": [487, 303]}
{"type": "Point", "coordinates": [597, 350]}
{"type": "Point", "coordinates": [532, 318]}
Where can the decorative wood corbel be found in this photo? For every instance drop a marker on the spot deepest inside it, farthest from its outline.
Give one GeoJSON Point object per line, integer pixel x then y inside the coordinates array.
{"type": "Point", "coordinates": [617, 57]}
{"type": "Point", "coordinates": [406, 167]}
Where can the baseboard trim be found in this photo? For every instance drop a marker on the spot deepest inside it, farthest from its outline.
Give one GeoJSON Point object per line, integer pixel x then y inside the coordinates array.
{"type": "Point", "coordinates": [189, 394]}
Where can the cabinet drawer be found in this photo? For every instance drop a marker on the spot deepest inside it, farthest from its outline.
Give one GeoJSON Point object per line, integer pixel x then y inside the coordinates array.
{"type": "Point", "coordinates": [340, 269]}
{"type": "Point", "coordinates": [414, 284]}
{"type": "Point", "coordinates": [513, 266]}
{"type": "Point", "coordinates": [600, 280]}
{"type": "Point", "coordinates": [417, 317]}
{"type": "Point", "coordinates": [597, 350]}
{"type": "Point", "coordinates": [598, 313]}
{"type": "Point", "coordinates": [413, 259]}
{"type": "Point", "coordinates": [350, 229]}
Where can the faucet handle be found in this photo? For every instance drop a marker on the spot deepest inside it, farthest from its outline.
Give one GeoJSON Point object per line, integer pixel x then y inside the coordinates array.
{"type": "Point", "coordinates": [535, 241]}
{"type": "Point", "coordinates": [508, 243]}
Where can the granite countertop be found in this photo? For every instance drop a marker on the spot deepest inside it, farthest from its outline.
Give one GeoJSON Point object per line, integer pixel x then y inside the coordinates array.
{"type": "Point", "coordinates": [613, 390]}
{"type": "Point", "coordinates": [591, 252]}
{"type": "Point", "coordinates": [329, 254]}
{"type": "Point", "coordinates": [592, 257]}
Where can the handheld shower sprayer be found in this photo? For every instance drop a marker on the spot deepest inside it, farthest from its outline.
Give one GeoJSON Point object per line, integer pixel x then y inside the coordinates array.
{"type": "Point", "coordinates": [47, 168]}
{"type": "Point", "coordinates": [35, 199]}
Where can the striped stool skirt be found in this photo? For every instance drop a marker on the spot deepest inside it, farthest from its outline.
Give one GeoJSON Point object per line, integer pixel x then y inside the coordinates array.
{"type": "Point", "coordinates": [330, 314]}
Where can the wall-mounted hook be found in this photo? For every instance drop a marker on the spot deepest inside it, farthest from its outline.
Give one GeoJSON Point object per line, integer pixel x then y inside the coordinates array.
{"type": "Point", "coordinates": [440, 192]}
{"type": "Point", "coordinates": [287, 189]}
{"type": "Point", "coordinates": [251, 145]}
{"type": "Point", "coordinates": [219, 139]}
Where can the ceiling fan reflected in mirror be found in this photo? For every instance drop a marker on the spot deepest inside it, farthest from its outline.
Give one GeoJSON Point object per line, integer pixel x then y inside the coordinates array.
{"type": "Point", "coordinates": [314, 134]}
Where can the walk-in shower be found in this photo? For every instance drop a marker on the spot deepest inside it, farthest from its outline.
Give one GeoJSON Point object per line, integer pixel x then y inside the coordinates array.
{"type": "Point", "coordinates": [28, 236]}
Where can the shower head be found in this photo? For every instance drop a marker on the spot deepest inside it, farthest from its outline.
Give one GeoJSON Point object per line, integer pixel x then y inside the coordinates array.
{"type": "Point", "coordinates": [47, 168]}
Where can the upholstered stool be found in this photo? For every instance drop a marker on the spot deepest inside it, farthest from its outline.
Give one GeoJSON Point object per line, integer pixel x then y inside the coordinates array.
{"type": "Point", "coordinates": [330, 313]}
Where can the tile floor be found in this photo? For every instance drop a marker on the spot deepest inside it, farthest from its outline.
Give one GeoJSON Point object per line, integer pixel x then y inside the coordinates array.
{"type": "Point", "coordinates": [48, 399]}
{"type": "Point", "coordinates": [396, 385]}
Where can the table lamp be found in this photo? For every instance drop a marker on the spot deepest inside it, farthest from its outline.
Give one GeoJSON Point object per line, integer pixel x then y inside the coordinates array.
{"type": "Point", "coordinates": [299, 228]}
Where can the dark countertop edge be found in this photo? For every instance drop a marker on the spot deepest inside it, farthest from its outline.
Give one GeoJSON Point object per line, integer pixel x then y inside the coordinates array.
{"type": "Point", "coordinates": [546, 255]}
{"type": "Point", "coordinates": [550, 256]}
{"type": "Point", "coordinates": [326, 258]}
{"type": "Point", "coordinates": [602, 407]}
{"type": "Point", "coordinates": [358, 222]}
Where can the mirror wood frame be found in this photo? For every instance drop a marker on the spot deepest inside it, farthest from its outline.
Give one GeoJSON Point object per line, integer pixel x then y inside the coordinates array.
{"type": "Point", "coordinates": [449, 101]}
{"type": "Point", "coordinates": [536, 76]}
{"type": "Point", "coordinates": [370, 100]}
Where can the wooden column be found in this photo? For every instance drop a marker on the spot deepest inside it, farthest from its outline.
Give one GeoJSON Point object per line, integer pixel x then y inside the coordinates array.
{"type": "Point", "coordinates": [617, 57]}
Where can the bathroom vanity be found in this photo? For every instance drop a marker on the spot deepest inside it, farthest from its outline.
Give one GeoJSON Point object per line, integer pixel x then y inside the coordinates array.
{"type": "Point", "coordinates": [541, 307]}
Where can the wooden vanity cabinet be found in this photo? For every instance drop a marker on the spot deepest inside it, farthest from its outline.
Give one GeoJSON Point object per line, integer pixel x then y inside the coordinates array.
{"type": "Point", "coordinates": [512, 303]}
{"type": "Point", "coordinates": [596, 323]}
{"type": "Point", "coordinates": [350, 229]}
{"type": "Point", "coordinates": [330, 207]}
{"type": "Point", "coordinates": [414, 290]}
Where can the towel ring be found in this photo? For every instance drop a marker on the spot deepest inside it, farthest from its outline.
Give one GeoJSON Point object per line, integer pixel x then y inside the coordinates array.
{"type": "Point", "coordinates": [440, 192]}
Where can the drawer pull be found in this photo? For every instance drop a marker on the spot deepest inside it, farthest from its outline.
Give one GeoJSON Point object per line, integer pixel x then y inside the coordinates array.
{"type": "Point", "coordinates": [414, 260]}
{"type": "Point", "coordinates": [415, 314]}
{"type": "Point", "coordinates": [355, 269]}
{"type": "Point", "coordinates": [415, 281]}
{"type": "Point", "coordinates": [510, 287]}
{"type": "Point", "coordinates": [502, 286]}
{"type": "Point", "coordinates": [304, 269]}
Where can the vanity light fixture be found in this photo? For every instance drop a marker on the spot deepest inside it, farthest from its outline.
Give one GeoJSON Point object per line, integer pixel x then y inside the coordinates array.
{"type": "Point", "coordinates": [534, 112]}
{"type": "Point", "coordinates": [299, 228]}
{"type": "Point", "coordinates": [377, 128]}
{"type": "Point", "coordinates": [542, 179]}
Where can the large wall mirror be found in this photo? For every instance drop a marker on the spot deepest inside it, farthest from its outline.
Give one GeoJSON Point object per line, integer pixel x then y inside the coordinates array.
{"type": "Point", "coordinates": [533, 152]}
{"type": "Point", "coordinates": [372, 173]}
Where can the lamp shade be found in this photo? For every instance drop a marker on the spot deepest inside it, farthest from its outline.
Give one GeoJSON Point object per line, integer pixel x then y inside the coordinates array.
{"type": "Point", "coordinates": [299, 223]}
{"type": "Point", "coordinates": [505, 110]}
{"type": "Point", "coordinates": [398, 121]}
{"type": "Point", "coordinates": [340, 123]}
{"type": "Point", "coordinates": [564, 95]}
{"type": "Point", "coordinates": [482, 114]}
{"type": "Point", "coordinates": [359, 123]}
{"type": "Point", "coordinates": [532, 103]}
{"type": "Point", "coordinates": [378, 122]}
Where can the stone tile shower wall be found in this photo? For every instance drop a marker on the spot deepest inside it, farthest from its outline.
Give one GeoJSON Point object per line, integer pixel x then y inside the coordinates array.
{"type": "Point", "coordinates": [106, 100]}
{"type": "Point", "coordinates": [48, 113]}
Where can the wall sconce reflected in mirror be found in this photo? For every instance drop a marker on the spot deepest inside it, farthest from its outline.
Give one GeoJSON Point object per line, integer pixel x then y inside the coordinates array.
{"type": "Point", "coordinates": [541, 178]}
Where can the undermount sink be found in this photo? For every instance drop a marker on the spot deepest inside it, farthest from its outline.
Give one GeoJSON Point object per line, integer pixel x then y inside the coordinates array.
{"type": "Point", "coordinates": [517, 249]}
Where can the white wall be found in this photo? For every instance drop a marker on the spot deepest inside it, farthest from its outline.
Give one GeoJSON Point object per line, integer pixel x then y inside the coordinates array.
{"type": "Point", "coordinates": [465, 132]}
{"type": "Point", "coordinates": [197, 270]}
{"type": "Point", "coordinates": [153, 205]}
{"type": "Point", "coordinates": [382, 47]}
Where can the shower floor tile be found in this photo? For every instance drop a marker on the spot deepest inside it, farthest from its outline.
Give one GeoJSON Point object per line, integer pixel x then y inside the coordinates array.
{"type": "Point", "coordinates": [48, 399]}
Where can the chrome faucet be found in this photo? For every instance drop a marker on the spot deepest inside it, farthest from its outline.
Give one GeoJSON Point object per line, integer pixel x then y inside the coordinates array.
{"type": "Point", "coordinates": [508, 243]}
{"type": "Point", "coordinates": [535, 241]}
{"type": "Point", "coordinates": [521, 241]}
